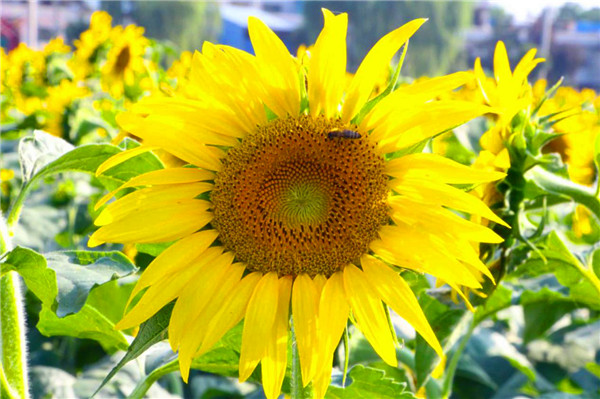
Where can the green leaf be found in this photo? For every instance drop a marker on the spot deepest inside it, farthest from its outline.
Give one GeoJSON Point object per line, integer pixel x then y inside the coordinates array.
{"type": "Point", "coordinates": [153, 249]}
{"type": "Point", "coordinates": [448, 324]}
{"type": "Point", "coordinates": [77, 272]}
{"type": "Point", "coordinates": [487, 343]}
{"type": "Point", "coordinates": [562, 264]}
{"type": "Point", "coordinates": [43, 155]}
{"type": "Point", "coordinates": [39, 150]}
{"type": "Point", "coordinates": [541, 309]}
{"type": "Point", "coordinates": [500, 299]}
{"type": "Point", "coordinates": [154, 330]}
{"type": "Point", "coordinates": [368, 382]}
{"type": "Point", "coordinates": [554, 184]}
{"type": "Point", "coordinates": [63, 157]}
{"type": "Point", "coordinates": [71, 286]}
{"type": "Point", "coordinates": [95, 320]}
{"type": "Point", "coordinates": [32, 266]}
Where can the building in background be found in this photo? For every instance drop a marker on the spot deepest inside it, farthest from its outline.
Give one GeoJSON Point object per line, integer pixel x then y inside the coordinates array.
{"type": "Point", "coordinates": [53, 19]}
{"type": "Point", "coordinates": [568, 37]}
{"type": "Point", "coordinates": [285, 18]}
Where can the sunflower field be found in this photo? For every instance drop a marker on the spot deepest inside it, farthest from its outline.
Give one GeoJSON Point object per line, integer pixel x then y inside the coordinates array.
{"type": "Point", "coordinates": [268, 225]}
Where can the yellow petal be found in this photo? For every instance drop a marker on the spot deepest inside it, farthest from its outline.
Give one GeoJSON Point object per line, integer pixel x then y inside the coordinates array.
{"type": "Point", "coordinates": [397, 294]}
{"type": "Point", "coordinates": [367, 74]}
{"type": "Point", "coordinates": [121, 157]}
{"type": "Point", "coordinates": [304, 311]}
{"type": "Point", "coordinates": [369, 313]}
{"type": "Point", "coordinates": [194, 321]}
{"type": "Point", "coordinates": [502, 71]}
{"type": "Point", "coordinates": [175, 258]}
{"type": "Point", "coordinates": [156, 224]}
{"type": "Point", "coordinates": [431, 88]}
{"type": "Point", "coordinates": [327, 66]}
{"type": "Point", "coordinates": [216, 80]}
{"type": "Point", "coordinates": [231, 312]}
{"type": "Point", "coordinates": [401, 131]}
{"type": "Point", "coordinates": [333, 317]}
{"type": "Point", "coordinates": [200, 155]}
{"type": "Point", "coordinates": [197, 294]}
{"type": "Point", "coordinates": [161, 177]}
{"type": "Point", "coordinates": [138, 200]}
{"type": "Point", "coordinates": [437, 168]}
{"type": "Point", "coordinates": [443, 194]}
{"type": "Point", "coordinates": [427, 255]}
{"type": "Point", "coordinates": [258, 325]}
{"type": "Point", "coordinates": [158, 295]}
{"type": "Point", "coordinates": [481, 80]}
{"type": "Point", "coordinates": [280, 71]}
{"type": "Point", "coordinates": [274, 363]}
{"type": "Point", "coordinates": [437, 219]}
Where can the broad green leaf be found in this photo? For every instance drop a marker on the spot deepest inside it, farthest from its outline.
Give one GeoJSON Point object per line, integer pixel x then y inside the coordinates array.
{"type": "Point", "coordinates": [541, 310]}
{"type": "Point", "coordinates": [43, 155]}
{"type": "Point", "coordinates": [486, 344]}
{"type": "Point", "coordinates": [39, 150]}
{"type": "Point", "coordinates": [468, 368]}
{"type": "Point", "coordinates": [77, 272]}
{"type": "Point", "coordinates": [500, 299]}
{"type": "Point", "coordinates": [368, 382]}
{"type": "Point", "coordinates": [32, 266]}
{"type": "Point", "coordinates": [151, 331]}
{"type": "Point", "coordinates": [562, 264]}
{"type": "Point", "coordinates": [95, 320]}
{"type": "Point", "coordinates": [153, 249]}
{"type": "Point", "coordinates": [71, 286]}
{"type": "Point", "coordinates": [448, 324]}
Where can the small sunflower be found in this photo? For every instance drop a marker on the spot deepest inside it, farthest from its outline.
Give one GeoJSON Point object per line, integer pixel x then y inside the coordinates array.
{"type": "Point", "coordinates": [125, 59]}
{"type": "Point", "coordinates": [90, 43]}
{"type": "Point", "coordinates": [297, 203]}
{"type": "Point", "coordinates": [507, 93]}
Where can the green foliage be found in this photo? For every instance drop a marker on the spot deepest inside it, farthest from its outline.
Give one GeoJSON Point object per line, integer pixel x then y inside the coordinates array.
{"type": "Point", "coordinates": [367, 382]}
{"type": "Point", "coordinates": [78, 293]}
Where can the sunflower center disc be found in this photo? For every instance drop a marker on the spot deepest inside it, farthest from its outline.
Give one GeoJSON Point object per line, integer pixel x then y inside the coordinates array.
{"type": "Point", "coordinates": [292, 200]}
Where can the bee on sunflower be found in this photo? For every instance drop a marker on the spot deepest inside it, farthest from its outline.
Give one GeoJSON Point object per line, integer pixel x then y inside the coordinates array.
{"type": "Point", "coordinates": [280, 223]}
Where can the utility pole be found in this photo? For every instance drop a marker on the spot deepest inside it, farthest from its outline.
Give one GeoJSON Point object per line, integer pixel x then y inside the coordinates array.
{"type": "Point", "coordinates": [545, 45]}
{"type": "Point", "coordinates": [32, 24]}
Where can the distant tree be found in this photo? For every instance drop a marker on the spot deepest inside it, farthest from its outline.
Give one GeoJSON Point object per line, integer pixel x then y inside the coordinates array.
{"type": "Point", "coordinates": [435, 49]}
{"type": "Point", "coordinates": [187, 24]}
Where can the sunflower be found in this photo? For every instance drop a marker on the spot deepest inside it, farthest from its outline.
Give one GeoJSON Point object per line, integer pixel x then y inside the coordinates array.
{"type": "Point", "coordinates": [575, 114]}
{"type": "Point", "coordinates": [507, 93]}
{"type": "Point", "coordinates": [90, 43]}
{"type": "Point", "coordinates": [297, 203]}
{"type": "Point", "coordinates": [125, 59]}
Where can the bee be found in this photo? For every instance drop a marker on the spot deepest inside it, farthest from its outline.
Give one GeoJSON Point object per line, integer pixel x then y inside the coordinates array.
{"type": "Point", "coordinates": [343, 134]}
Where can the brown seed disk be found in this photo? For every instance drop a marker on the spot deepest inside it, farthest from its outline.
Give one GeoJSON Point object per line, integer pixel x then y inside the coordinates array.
{"type": "Point", "coordinates": [291, 200]}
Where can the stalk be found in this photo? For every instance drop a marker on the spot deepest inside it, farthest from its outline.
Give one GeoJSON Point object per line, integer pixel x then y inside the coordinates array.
{"type": "Point", "coordinates": [298, 390]}
{"type": "Point", "coordinates": [14, 379]}
{"type": "Point", "coordinates": [144, 385]}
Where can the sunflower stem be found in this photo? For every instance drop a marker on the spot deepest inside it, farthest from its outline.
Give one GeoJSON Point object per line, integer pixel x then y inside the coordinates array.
{"type": "Point", "coordinates": [13, 378]}
{"type": "Point", "coordinates": [144, 385]}
{"type": "Point", "coordinates": [297, 388]}
{"type": "Point", "coordinates": [565, 188]}
{"type": "Point", "coordinates": [453, 364]}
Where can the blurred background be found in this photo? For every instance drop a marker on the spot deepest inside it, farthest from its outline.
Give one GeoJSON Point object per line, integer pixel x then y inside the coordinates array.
{"type": "Point", "coordinates": [567, 34]}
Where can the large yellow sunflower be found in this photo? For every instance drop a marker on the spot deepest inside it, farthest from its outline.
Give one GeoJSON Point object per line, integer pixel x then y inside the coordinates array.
{"type": "Point", "coordinates": [286, 213]}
